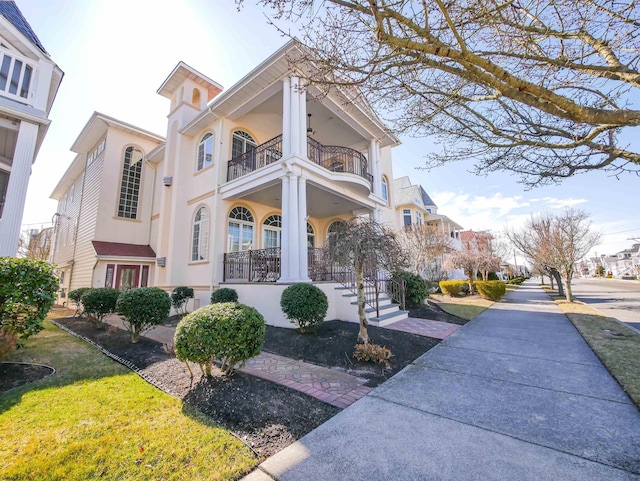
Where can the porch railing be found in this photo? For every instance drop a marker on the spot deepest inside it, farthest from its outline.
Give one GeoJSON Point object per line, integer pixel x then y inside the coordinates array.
{"type": "Point", "coordinates": [261, 156]}
{"type": "Point", "coordinates": [261, 265]}
{"type": "Point", "coordinates": [331, 157]}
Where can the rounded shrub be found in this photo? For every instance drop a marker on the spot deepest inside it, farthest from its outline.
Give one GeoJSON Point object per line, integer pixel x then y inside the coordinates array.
{"type": "Point", "coordinates": [516, 280]}
{"type": "Point", "coordinates": [75, 296]}
{"type": "Point", "coordinates": [454, 288]}
{"type": "Point", "coordinates": [229, 332]}
{"type": "Point", "coordinates": [493, 290]}
{"type": "Point", "coordinates": [99, 302]}
{"type": "Point", "coordinates": [179, 298]}
{"type": "Point", "coordinates": [27, 292]}
{"type": "Point", "coordinates": [305, 305]}
{"type": "Point", "coordinates": [224, 294]}
{"type": "Point", "coordinates": [143, 308]}
{"type": "Point", "coordinates": [417, 289]}
{"type": "Point", "coordinates": [492, 276]}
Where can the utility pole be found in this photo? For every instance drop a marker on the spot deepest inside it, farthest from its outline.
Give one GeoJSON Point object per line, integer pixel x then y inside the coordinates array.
{"type": "Point", "coordinates": [515, 260]}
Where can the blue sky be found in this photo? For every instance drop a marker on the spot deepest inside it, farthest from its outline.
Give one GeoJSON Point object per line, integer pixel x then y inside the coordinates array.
{"type": "Point", "coordinates": [116, 53]}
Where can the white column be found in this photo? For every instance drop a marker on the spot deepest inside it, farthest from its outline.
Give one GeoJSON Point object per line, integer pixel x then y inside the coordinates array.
{"type": "Point", "coordinates": [302, 120]}
{"type": "Point", "coordinates": [442, 224]}
{"type": "Point", "coordinates": [17, 188]}
{"type": "Point", "coordinates": [374, 166]}
{"type": "Point", "coordinates": [286, 117]}
{"type": "Point", "coordinates": [302, 226]}
{"type": "Point", "coordinates": [285, 263]}
{"type": "Point", "coordinates": [377, 215]}
{"type": "Point", "coordinates": [295, 117]}
{"type": "Point", "coordinates": [294, 230]}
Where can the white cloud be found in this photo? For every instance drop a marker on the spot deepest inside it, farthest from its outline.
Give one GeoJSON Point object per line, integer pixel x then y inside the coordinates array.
{"type": "Point", "coordinates": [556, 203]}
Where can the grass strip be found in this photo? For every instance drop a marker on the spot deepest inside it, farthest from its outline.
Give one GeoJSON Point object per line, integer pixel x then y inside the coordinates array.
{"type": "Point", "coordinates": [466, 307]}
{"type": "Point", "coordinates": [95, 419]}
{"type": "Point", "coordinates": [616, 345]}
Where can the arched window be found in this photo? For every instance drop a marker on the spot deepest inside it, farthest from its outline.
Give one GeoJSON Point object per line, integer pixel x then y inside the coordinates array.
{"type": "Point", "coordinates": [240, 232]}
{"type": "Point", "coordinates": [200, 237]}
{"type": "Point", "coordinates": [311, 236]}
{"type": "Point", "coordinates": [335, 226]}
{"type": "Point", "coordinates": [205, 151]}
{"type": "Point", "coordinates": [242, 142]}
{"type": "Point", "coordinates": [385, 189]}
{"type": "Point", "coordinates": [271, 232]}
{"type": "Point", "coordinates": [130, 184]}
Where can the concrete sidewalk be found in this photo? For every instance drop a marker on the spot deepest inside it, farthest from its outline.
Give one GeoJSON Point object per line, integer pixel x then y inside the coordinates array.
{"type": "Point", "coordinates": [516, 394]}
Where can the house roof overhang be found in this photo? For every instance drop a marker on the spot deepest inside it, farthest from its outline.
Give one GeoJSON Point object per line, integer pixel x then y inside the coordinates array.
{"type": "Point", "coordinates": [265, 80]}
{"type": "Point", "coordinates": [180, 73]}
{"type": "Point", "coordinates": [117, 250]}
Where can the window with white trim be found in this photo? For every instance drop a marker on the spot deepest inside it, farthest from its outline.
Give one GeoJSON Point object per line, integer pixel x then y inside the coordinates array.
{"type": "Point", "coordinates": [385, 189]}
{"type": "Point", "coordinates": [4, 182]}
{"type": "Point", "coordinates": [240, 229]}
{"type": "Point", "coordinates": [200, 235]}
{"type": "Point", "coordinates": [271, 231]}
{"type": "Point", "coordinates": [205, 152]}
{"type": "Point", "coordinates": [406, 215]}
{"type": "Point", "coordinates": [335, 226]}
{"type": "Point", "coordinates": [130, 184]}
{"type": "Point", "coordinates": [311, 236]}
{"type": "Point", "coordinates": [241, 143]}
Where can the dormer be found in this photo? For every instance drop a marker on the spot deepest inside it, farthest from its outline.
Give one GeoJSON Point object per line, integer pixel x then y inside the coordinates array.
{"type": "Point", "coordinates": [187, 88]}
{"type": "Point", "coordinates": [29, 79]}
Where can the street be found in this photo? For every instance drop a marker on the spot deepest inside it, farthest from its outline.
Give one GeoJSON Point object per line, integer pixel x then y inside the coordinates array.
{"type": "Point", "coordinates": [614, 298]}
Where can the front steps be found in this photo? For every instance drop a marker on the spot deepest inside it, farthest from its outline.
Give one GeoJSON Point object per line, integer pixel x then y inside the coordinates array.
{"type": "Point", "coordinates": [389, 311]}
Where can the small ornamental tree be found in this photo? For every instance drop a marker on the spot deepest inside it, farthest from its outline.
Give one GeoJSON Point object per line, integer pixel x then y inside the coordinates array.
{"type": "Point", "coordinates": [229, 332]}
{"type": "Point", "coordinates": [179, 298]}
{"type": "Point", "coordinates": [99, 302]}
{"type": "Point", "coordinates": [224, 294]}
{"type": "Point", "coordinates": [305, 305]}
{"type": "Point", "coordinates": [76, 297]}
{"type": "Point", "coordinates": [27, 292]}
{"type": "Point", "coordinates": [143, 308]}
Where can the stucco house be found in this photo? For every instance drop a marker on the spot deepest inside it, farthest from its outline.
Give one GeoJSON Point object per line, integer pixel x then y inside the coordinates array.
{"type": "Point", "coordinates": [29, 81]}
{"type": "Point", "coordinates": [243, 192]}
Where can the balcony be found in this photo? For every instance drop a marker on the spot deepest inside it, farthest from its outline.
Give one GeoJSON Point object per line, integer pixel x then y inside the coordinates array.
{"type": "Point", "coordinates": [16, 73]}
{"type": "Point", "coordinates": [331, 157]}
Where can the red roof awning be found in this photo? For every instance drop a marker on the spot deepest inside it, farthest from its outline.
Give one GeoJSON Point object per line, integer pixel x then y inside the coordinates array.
{"type": "Point", "coordinates": [118, 249]}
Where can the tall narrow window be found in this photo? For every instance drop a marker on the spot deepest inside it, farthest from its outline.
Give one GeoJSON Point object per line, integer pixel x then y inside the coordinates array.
{"type": "Point", "coordinates": [406, 214]}
{"type": "Point", "coordinates": [240, 232]}
{"type": "Point", "coordinates": [311, 236]}
{"type": "Point", "coordinates": [385, 189]}
{"type": "Point", "coordinates": [130, 184]}
{"type": "Point", "coordinates": [241, 143]}
{"type": "Point", "coordinates": [200, 238]}
{"type": "Point", "coordinates": [205, 151]}
{"type": "Point", "coordinates": [271, 233]}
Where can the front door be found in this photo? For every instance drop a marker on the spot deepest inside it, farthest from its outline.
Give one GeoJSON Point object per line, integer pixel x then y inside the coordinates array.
{"type": "Point", "coordinates": [127, 277]}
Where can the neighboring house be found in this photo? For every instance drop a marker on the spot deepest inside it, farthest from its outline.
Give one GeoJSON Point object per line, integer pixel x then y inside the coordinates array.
{"type": "Point", "coordinates": [413, 206]}
{"type": "Point", "coordinates": [29, 81]}
{"type": "Point", "coordinates": [105, 201]}
{"type": "Point", "coordinates": [244, 192]}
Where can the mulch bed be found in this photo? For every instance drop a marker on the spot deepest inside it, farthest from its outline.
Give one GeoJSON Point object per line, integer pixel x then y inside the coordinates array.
{"type": "Point", "coordinates": [267, 416]}
{"type": "Point", "coordinates": [14, 374]}
{"type": "Point", "coordinates": [431, 310]}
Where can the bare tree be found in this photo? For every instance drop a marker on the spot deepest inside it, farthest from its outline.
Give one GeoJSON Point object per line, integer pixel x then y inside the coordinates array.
{"type": "Point", "coordinates": [35, 244]}
{"type": "Point", "coordinates": [541, 88]}
{"type": "Point", "coordinates": [477, 255]}
{"type": "Point", "coordinates": [365, 244]}
{"type": "Point", "coordinates": [557, 242]}
{"type": "Point", "coordinates": [425, 246]}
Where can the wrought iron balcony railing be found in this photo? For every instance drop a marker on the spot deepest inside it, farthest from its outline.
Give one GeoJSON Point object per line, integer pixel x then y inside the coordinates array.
{"type": "Point", "coordinates": [332, 157]}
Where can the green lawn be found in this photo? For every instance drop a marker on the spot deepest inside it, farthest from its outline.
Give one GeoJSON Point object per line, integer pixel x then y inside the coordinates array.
{"type": "Point", "coordinates": [95, 419]}
{"type": "Point", "coordinates": [617, 346]}
{"type": "Point", "coordinates": [466, 307]}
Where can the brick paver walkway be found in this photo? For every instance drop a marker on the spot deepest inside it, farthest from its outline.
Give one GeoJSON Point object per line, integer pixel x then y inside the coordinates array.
{"type": "Point", "coordinates": [424, 327]}
{"type": "Point", "coordinates": [333, 387]}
